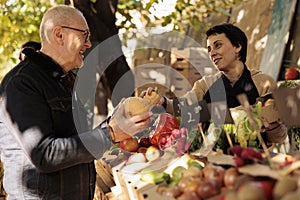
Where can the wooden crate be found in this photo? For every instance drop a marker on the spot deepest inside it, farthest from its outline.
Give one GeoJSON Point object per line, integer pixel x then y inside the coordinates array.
{"type": "Point", "coordinates": [142, 56]}
{"type": "Point", "coordinates": [180, 85]}
{"type": "Point", "coordinates": [194, 75]}
{"type": "Point", "coordinates": [183, 76]}
{"type": "Point", "coordinates": [149, 192]}
{"type": "Point", "coordinates": [133, 188]}
{"type": "Point", "coordinates": [104, 180]}
{"type": "Point", "coordinates": [143, 61]}
{"type": "Point", "coordinates": [193, 57]}
{"type": "Point", "coordinates": [191, 53]}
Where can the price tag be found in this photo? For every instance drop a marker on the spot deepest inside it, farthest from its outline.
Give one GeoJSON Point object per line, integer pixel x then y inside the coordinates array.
{"type": "Point", "coordinates": [191, 115]}
{"type": "Point", "coordinates": [288, 104]}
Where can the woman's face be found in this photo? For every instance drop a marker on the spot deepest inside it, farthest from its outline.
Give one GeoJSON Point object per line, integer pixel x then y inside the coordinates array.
{"type": "Point", "coordinates": [222, 53]}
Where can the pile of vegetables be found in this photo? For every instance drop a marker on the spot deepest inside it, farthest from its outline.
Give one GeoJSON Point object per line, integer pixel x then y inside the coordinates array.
{"type": "Point", "coordinates": [204, 180]}
{"type": "Point", "coordinates": [199, 179]}
{"type": "Point", "coordinates": [241, 132]}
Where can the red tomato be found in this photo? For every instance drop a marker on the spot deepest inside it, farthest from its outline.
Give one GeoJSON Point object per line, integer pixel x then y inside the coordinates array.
{"type": "Point", "coordinates": [291, 73]}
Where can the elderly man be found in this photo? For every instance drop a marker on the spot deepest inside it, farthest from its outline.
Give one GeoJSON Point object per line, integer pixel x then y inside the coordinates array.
{"type": "Point", "coordinates": [45, 155]}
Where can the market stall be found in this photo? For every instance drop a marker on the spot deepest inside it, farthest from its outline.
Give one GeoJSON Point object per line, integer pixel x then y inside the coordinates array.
{"type": "Point", "coordinates": [170, 161]}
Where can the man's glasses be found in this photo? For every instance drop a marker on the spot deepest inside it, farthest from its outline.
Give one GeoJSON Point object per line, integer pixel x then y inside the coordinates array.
{"type": "Point", "coordinates": [86, 32]}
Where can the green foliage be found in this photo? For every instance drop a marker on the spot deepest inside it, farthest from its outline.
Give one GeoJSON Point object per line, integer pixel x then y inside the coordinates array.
{"type": "Point", "coordinates": [196, 140]}
{"type": "Point", "coordinates": [185, 13]}
{"type": "Point", "coordinates": [288, 83]}
{"type": "Point", "coordinates": [20, 21]}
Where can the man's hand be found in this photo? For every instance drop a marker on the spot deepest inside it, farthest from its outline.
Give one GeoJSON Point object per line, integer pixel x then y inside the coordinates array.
{"type": "Point", "coordinates": [124, 126]}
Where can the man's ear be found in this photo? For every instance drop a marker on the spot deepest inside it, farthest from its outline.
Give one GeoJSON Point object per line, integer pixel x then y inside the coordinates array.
{"type": "Point", "coordinates": [58, 34]}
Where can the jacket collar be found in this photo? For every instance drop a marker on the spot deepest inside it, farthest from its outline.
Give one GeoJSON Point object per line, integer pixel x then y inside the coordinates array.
{"type": "Point", "coordinates": [43, 60]}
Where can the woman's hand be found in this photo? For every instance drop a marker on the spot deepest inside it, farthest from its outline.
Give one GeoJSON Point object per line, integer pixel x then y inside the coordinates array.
{"type": "Point", "coordinates": [270, 126]}
{"type": "Point", "coordinates": [153, 96]}
{"type": "Point", "coordinates": [124, 126]}
{"type": "Point", "coordinates": [276, 131]}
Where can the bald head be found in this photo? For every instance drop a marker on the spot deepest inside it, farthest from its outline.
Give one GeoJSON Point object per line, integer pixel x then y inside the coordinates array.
{"type": "Point", "coordinates": [58, 16]}
{"type": "Point", "coordinates": [64, 34]}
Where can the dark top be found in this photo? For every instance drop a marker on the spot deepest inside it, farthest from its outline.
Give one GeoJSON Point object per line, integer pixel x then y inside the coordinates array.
{"type": "Point", "coordinates": [244, 84]}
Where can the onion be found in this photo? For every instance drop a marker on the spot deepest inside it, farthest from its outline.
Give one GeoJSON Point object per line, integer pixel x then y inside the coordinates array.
{"type": "Point", "coordinates": [230, 177]}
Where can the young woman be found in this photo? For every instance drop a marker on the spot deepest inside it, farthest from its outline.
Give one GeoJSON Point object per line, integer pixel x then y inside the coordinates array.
{"type": "Point", "coordinates": [227, 48]}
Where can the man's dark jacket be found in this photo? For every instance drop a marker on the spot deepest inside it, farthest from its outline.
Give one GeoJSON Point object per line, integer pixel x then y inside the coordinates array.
{"type": "Point", "coordinates": [44, 156]}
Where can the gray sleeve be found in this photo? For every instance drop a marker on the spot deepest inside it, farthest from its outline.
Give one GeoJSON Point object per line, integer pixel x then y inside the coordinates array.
{"type": "Point", "coordinates": [97, 141]}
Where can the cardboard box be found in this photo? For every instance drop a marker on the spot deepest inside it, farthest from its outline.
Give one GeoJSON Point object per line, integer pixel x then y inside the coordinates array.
{"type": "Point", "coordinates": [143, 56]}
{"type": "Point", "coordinates": [194, 53]}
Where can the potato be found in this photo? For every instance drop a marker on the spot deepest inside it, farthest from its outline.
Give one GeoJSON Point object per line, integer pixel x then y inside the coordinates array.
{"type": "Point", "coordinates": [136, 106]}
{"type": "Point", "coordinates": [249, 191]}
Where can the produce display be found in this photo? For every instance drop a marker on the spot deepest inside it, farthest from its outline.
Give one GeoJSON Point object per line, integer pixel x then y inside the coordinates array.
{"type": "Point", "coordinates": [244, 173]}
{"type": "Point", "coordinates": [195, 177]}
{"type": "Point", "coordinates": [166, 161]}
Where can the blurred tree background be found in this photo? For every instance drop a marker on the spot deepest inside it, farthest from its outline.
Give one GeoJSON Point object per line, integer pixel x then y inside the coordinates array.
{"type": "Point", "coordinates": [20, 19]}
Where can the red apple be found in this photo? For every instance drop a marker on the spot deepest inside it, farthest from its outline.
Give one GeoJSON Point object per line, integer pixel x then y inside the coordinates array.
{"type": "Point", "coordinates": [291, 73]}
{"type": "Point", "coordinates": [207, 189]}
{"type": "Point", "coordinates": [214, 173]}
{"type": "Point", "coordinates": [145, 142]}
{"type": "Point", "coordinates": [129, 144]}
{"type": "Point", "coordinates": [266, 186]}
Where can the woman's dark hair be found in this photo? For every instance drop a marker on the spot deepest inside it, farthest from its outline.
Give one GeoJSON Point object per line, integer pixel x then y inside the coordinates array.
{"type": "Point", "coordinates": [236, 36]}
